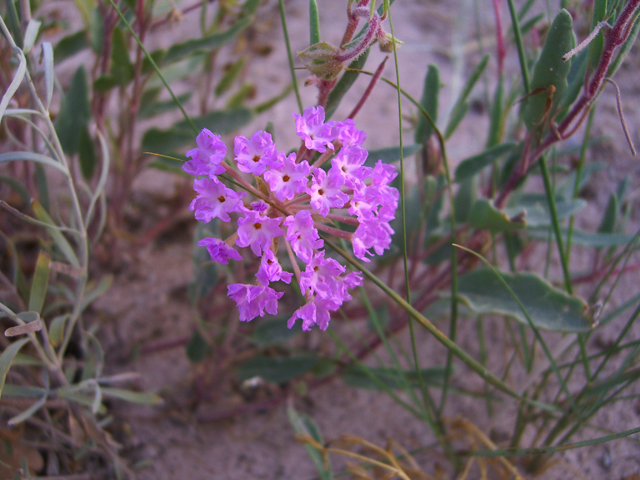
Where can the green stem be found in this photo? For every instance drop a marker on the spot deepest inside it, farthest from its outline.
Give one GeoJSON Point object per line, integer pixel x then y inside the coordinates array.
{"type": "Point", "coordinates": [555, 223]}
{"type": "Point", "coordinates": [518, 38]}
{"type": "Point", "coordinates": [289, 56]}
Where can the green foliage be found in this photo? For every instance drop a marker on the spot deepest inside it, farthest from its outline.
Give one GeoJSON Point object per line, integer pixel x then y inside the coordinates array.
{"type": "Point", "coordinates": [75, 112]}
{"type": "Point", "coordinates": [551, 70]}
{"type": "Point", "coordinates": [303, 425]}
{"type": "Point", "coordinates": [483, 293]}
{"type": "Point", "coordinates": [429, 102]}
{"type": "Point", "coordinates": [276, 369]}
{"type": "Point", "coordinates": [380, 378]}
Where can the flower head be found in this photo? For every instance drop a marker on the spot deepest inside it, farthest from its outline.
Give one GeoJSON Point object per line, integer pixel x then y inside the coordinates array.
{"type": "Point", "coordinates": [207, 158]}
{"type": "Point", "coordinates": [220, 252]}
{"type": "Point", "coordinates": [287, 192]}
{"type": "Point", "coordinates": [256, 154]}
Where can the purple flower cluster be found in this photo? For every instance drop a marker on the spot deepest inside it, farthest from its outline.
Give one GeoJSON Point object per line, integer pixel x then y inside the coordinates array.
{"type": "Point", "coordinates": [293, 201]}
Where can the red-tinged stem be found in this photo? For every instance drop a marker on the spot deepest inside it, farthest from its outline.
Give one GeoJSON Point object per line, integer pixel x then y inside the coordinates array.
{"type": "Point", "coordinates": [615, 37]}
{"type": "Point", "coordinates": [334, 231]}
{"type": "Point", "coordinates": [325, 156]}
{"type": "Point", "coordinates": [301, 151]}
{"type": "Point", "coordinates": [376, 76]}
{"type": "Point", "coordinates": [343, 219]}
{"type": "Point", "coordinates": [292, 258]}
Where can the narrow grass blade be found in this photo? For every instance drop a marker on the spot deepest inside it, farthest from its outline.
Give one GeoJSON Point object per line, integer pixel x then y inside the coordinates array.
{"type": "Point", "coordinates": [6, 359]}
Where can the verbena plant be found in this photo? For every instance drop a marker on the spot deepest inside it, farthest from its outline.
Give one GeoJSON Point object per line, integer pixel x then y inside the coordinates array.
{"type": "Point", "coordinates": [328, 206]}
{"type": "Point", "coordinates": [449, 222]}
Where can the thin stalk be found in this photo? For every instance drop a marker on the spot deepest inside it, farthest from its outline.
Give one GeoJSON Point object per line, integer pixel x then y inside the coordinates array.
{"type": "Point", "coordinates": [518, 39]}
{"type": "Point", "coordinates": [289, 56]}
{"type": "Point", "coordinates": [436, 423]}
{"type": "Point", "coordinates": [551, 201]}
{"type": "Point", "coordinates": [155, 67]}
{"type": "Point", "coordinates": [547, 352]}
{"type": "Point", "coordinates": [467, 359]}
{"type": "Point", "coordinates": [576, 186]}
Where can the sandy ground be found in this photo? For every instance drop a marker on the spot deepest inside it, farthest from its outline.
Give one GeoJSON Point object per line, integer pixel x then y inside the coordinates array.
{"type": "Point", "coordinates": [147, 304]}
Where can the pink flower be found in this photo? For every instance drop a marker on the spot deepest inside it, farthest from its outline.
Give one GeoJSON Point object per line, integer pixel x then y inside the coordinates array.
{"type": "Point", "coordinates": [214, 200]}
{"type": "Point", "coordinates": [206, 159]}
{"type": "Point", "coordinates": [271, 271]}
{"type": "Point", "coordinates": [349, 135]}
{"type": "Point", "coordinates": [220, 252]}
{"type": "Point", "coordinates": [325, 192]}
{"type": "Point", "coordinates": [255, 155]}
{"type": "Point", "coordinates": [287, 178]}
{"type": "Point", "coordinates": [303, 235]}
{"type": "Point", "coordinates": [257, 231]}
{"type": "Point", "coordinates": [347, 164]}
{"type": "Point", "coordinates": [253, 300]}
{"type": "Point", "coordinates": [311, 128]}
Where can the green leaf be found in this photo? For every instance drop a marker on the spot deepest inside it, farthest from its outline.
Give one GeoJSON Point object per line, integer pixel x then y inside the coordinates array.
{"type": "Point", "coordinates": [303, 425]}
{"type": "Point", "coordinates": [121, 66]}
{"type": "Point", "coordinates": [344, 84]}
{"type": "Point", "coordinates": [230, 75]}
{"type": "Point", "coordinates": [197, 348]}
{"type": "Point", "coordinates": [267, 104]}
{"type": "Point", "coordinates": [461, 106]}
{"type": "Point", "coordinates": [314, 23]}
{"type": "Point", "coordinates": [94, 291]}
{"type": "Point", "coordinates": [58, 238]}
{"type": "Point", "coordinates": [157, 141]}
{"type": "Point", "coordinates": [24, 415]}
{"type": "Point", "coordinates": [469, 167]}
{"type": "Point", "coordinates": [96, 30]}
{"type": "Point", "coordinates": [39, 283]}
{"type": "Point", "coordinates": [390, 154]}
{"type": "Point", "coordinates": [610, 217]}
{"type": "Point", "coordinates": [272, 332]}
{"type": "Point", "coordinates": [14, 22]}
{"type": "Point", "coordinates": [221, 122]}
{"type": "Point", "coordinates": [537, 208]}
{"type": "Point", "coordinates": [548, 307]}
{"type": "Point", "coordinates": [6, 359]}
{"type": "Point", "coordinates": [86, 154]}
{"type": "Point", "coordinates": [550, 71]}
{"type": "Point", "coordinates": [157, 56]}
{"type": "Point", "coordinates": [70, 45]}
{"type": "Point", "coordinates": [18, 187]}
{"type": "Point", "coordinates": [168, 165]}
{"type": "Point", "coordinates": [75, 112]}
{"type": "Point", "coordinates": [104, 83]}
{"type": "Point", "coordinates": [484, 216]}
{"type": "Point", "coordinates": [156, 108]}
{"type": "Point", "coordinates": [276, 369]}
{"type": "Point", "coordinates": [145, 398]}
{"type": "Point", "coordinates": [357, 376]}
{"type": "Point", "coordinates": [464, 199]}
{"type": "Point", "coordinates": [585, 239]}
{"type": "Point", "coordinates": [56, 330]}
{"type": "Point", "coordinates": [429, 102]}
{"type": "Point", "coordinates": [211, 42]}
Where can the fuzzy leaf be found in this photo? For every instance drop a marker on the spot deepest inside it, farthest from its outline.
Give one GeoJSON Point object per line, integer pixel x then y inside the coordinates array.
{"type": "Point", "coordinates": [216, 40]}
{"type": "Point", "coordinates": [6, 359]}
{"type": "Point", "coordinates": [484, 216]}
{"type": "Point", "coordinates": [548, 307]}
{"type": "Point", "coordinates": [276, 369]}
{"type": "Point", "coordinates": [75, 112]}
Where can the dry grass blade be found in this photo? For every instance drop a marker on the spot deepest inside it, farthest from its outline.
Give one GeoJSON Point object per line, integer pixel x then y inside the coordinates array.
{"type": "Point", "coordinates": [474, 434]}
